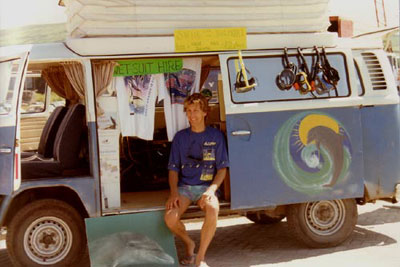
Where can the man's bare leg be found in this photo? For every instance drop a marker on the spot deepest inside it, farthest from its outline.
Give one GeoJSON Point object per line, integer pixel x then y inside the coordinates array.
{"type": "Point", "coordinates": [211, 209]}
{"type": "Point", "coordinates": [172, 219]}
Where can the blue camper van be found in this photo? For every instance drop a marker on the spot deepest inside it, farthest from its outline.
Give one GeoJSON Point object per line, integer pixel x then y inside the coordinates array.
{"type": "Point", "coordinates": [312, 126]}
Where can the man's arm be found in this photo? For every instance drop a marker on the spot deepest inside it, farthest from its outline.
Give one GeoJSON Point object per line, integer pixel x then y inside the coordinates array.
{"type": "Point", "coordinates": [173, 200]}
{"type": "Point", "coordinates": [210, 192]}
{"type": "Point", "coordinates": [218, 179]}
{"type": "Point", "coordinates": [173, 182]}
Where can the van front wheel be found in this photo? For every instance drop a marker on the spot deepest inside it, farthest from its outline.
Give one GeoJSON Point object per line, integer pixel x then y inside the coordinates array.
{"type": "Point", "coordinates": [323, 223]}
{"type": "Point", "coordinates": [47, 232]}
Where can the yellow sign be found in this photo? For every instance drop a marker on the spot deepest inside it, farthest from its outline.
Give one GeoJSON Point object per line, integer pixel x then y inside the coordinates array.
{"type": "Point", "coordinates": [193, 40]}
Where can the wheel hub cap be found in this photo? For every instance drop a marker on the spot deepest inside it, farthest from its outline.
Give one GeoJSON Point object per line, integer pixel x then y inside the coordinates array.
{"type": "Point", "coordinates": [47, 240]}
{"type": "Point", "coordinates": [325, 217]}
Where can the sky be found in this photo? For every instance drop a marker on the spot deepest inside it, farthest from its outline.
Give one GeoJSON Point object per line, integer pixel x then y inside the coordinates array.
{"type": "Point", "coordinates": [362, 12]}
{"type": "Point", "coordinates": [15, 13]}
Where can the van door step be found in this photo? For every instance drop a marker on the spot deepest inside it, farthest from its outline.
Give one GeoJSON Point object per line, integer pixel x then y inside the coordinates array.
{"type": "Point", "coordinates": [194, 211]}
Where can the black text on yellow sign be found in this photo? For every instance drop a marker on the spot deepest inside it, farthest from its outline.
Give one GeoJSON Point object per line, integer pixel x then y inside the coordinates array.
{"type": "Point", "coordinates": [194, 40]}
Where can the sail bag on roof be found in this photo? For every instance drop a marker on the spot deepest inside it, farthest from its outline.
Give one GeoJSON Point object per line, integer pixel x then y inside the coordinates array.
{"type": "Point", "coordinates": [94, 18]}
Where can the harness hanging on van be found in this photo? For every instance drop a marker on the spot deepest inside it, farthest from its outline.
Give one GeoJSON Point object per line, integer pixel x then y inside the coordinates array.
{"type": "Point", "coordinates": [302, 83]}
{"type": "Point", "coordinates": [322, 86]}
{"type": "Point", "coordinates": [287, 77]}
{"type": "Point", "coordinates": [243, 84]}
{"type": "Point", "coordinates": [331, 74]}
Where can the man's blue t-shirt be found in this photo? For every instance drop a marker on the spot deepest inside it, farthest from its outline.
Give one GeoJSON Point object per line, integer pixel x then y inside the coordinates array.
{"type": "Point", "coordinates": [198, 156]}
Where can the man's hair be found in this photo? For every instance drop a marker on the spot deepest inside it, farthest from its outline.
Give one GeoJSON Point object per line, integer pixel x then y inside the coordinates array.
{"type": "Point", "coordinates": [196, 98]}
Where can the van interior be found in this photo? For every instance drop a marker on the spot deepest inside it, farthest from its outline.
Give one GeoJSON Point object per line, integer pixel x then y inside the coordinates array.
{"type": "Point", "coordinates": [53, 137]}
{"type": "Point", "coordinates": [54, 140]}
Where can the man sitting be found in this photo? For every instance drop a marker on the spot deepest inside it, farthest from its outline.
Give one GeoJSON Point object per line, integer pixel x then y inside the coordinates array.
{"type": "Point", "coordinates": [197, 166]}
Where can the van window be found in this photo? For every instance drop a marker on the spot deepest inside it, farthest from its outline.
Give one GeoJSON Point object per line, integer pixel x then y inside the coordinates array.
{"type": "Point", "coordinates": [34, 95]}
{"type": "Point", "coordinates": [56, 101]}
{"type": "Point", "coordinates": [7, 83]}
{"type": "Point", "coordinates": [5, 102]}
{"type": "Point", "coordinates": [265, 70]}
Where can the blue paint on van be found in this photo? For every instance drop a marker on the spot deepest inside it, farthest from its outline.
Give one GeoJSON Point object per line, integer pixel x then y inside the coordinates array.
{"type": "Point", "coordinates": [381, 147]}
{"type": "Point", "coordinates": [256, 179]}
{"type": "Point", "coordinates": [7, 140]}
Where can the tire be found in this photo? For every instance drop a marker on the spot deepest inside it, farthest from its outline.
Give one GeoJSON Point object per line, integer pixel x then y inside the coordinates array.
{"type": "Point", "coordinates": [47, 232]}
{"type": "Point", "coordinates": [324, 223]}
{"type": "Point", "coordinates": [262, 218]}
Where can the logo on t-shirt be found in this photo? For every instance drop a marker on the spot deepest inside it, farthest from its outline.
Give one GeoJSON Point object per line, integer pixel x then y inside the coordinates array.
{"type": "Point", "coordinates": [138, 89]}
{"type": "Point", "coordinates": [180, 84]}
{"type": "Point", "coordinates": [208, 154]}
{"type": "Point", "coordinates": [209, 143]}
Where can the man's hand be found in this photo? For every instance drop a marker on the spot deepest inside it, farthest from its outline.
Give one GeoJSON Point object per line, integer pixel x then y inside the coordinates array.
{"type": "Point", "coordinates": [172, 202]}
{"type": "Point", "coordinates": [206, 197]}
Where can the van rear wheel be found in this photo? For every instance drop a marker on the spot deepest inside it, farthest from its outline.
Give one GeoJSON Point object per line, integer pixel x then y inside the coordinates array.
{"type": "Point", "coordinates": [323, 223]}
{"type": "Point", "coordinates": [47, 232]}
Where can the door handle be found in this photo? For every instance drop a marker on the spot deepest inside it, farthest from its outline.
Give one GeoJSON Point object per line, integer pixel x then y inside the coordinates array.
{"type": "Point", "coordinates": [5, 150]}
{"type": "Point", "coordinates": [241, 133]}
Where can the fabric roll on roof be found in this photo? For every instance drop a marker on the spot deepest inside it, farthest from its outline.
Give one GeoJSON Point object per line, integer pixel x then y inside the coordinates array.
{"type": "Point", "coordinates": [99, 18]}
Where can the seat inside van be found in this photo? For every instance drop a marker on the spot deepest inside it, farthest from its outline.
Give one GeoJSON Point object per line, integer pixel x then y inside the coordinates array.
{"type": "Point", "coordinates": [48, 136]}
{"type": "Point", "coordinates": [66, 151]}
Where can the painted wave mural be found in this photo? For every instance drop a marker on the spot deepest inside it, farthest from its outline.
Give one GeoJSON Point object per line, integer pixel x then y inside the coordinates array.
{"type": "Point", "coordinates": [312, 152]}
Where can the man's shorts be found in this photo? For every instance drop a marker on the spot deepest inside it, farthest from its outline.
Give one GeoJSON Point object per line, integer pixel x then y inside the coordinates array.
{"type": "Point", "coordinates": [192, 192]}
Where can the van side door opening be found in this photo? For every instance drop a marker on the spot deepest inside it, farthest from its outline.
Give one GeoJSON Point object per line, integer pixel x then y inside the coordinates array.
{"type": "Point", "coordinates": [143, 163]}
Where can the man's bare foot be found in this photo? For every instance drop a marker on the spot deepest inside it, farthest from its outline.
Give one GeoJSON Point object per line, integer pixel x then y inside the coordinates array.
{"type": "Point", "coordinates": [190, 248]}
{"type": "Point", "coordinates": [188, 260]}
{"type": "Point", "coordinates": [202, 264]}
{"type": "Point", "coordinates": [190, 257]}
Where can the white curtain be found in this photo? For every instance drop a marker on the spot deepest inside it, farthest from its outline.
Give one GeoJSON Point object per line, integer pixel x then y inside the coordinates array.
{"type": "Point", "coordinates": [74, 72]}
{"type": "Point", "coordinates": [59, 83]}
{"type": "Point", "coordinates": [103, 74]}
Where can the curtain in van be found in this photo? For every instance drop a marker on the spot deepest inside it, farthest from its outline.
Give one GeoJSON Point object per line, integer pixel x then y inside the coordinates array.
{"type": "Point", "coordinates": [204, 75]}
{"type": "Point", "coordinates": [103, 74]}
{"type": "Point", "coordinates": [74, 73]}
{"type": "Point", "coordinates": [58, 81]}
